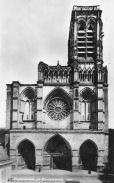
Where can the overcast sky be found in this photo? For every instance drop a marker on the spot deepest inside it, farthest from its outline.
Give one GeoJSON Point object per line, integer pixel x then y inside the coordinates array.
{"type": "Point", "coordinates": [37, 30]}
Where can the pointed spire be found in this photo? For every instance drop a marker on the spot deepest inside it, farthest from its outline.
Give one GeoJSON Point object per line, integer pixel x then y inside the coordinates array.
{"type": "Point", "coordinates": [58, 63]}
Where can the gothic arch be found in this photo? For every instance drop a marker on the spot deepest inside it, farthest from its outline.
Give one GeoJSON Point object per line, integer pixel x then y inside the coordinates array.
{"type": "Point", "coordinates": [65, 73]}
{"type": "Point", "coordinates": [45, 73]}
{"type": "Point", "coordinates": [55, 74]}
{"type": "Point", "coordinates": [27, 104]}
{"type": "Point", "coordinates": [88, 155]}
{"type": "Point", "coordinates": [25, 140]}
{"type": "Point", "coordinates": [58, 104]}
{"type": "Point", "coordinates": [88, 107]}
{"type": "Point", "coordinates": [89, 74]}
{"type": "Point", "coordinates": [57, 134]}
{"type": "Point", "coordinates": [29, 93]}
{"type": "Point", "coordinates": [87, 93]}
{"type": "Point", "coordinates": [59, 153]}
{"type": "Point", "coordinates": [91, 24]}
{"type": "Point", "coordinates": [81, 24]}
{"type": "Point", "coordinates": [26, 154]}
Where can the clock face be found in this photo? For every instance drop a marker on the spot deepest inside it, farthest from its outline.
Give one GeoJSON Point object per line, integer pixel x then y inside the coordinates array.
{"type": "Point", "coordinates": [57, 108]}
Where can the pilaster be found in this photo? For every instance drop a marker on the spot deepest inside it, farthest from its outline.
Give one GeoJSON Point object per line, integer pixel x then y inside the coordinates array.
{"type": "Point", "coordinates": [100, 162]}
{"type": "Point", "coordinates": [8, 107]}
{"type": "Point", "coordinates": [75, 99]}
{"type": "Point", "coordinates": [39, 104]}
{"type": "Point", "coordinates": [106, 108]}
{"type": "Point", "coordinates": [15, 104]}
{"type": "Point", "coordinates": [39, 159]}
{"type": "Point", "coordinates": [75, 160]}
{"type": "Point", "coordinates": [100, 106]}
{"type": "Point", "coordinates": [14, 157]}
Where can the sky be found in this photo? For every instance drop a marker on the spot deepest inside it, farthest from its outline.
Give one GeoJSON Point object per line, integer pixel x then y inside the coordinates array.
{"type": "Point", "coordinates": [37, 30]}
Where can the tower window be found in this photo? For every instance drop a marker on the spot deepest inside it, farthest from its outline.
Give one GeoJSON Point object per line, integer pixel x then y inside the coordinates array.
{"type": "Point", "coordinates": [82, 25]}
{"type": "Point", "coordinates": [91, 25]}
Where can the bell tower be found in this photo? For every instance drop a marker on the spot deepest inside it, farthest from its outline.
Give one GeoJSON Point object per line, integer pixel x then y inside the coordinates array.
{"type": "Point", "coordinates": [85, 57]}
{"type": "Point", "coordinates": [85, 35]}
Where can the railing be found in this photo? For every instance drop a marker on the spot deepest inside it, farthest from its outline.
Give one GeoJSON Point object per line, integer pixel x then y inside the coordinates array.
{"type": "Point", "coordinates": [86, 7]}
{"type": "Point", "coordinates": [57, 79]}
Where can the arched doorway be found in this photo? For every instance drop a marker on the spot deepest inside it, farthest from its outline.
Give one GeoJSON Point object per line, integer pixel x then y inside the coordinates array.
{"type": "Point", "coordinates": [26, 154]}
{"type": "Point", "coordinates": [88, 155]}
{"type": "Point", "coordinates": [59, 153]}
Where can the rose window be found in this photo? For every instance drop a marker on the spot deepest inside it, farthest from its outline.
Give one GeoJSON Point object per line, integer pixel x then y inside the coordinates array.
{"type": "Point", "coordinates": [57, 109]}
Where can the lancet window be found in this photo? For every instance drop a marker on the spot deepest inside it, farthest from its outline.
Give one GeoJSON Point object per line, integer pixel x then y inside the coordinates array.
{"type": "Point", "coordinates": [86, 38]}
{"type": "Point", "coordinates": [27, 104]}
{"type": "Point", "coordinates": [87, 105]}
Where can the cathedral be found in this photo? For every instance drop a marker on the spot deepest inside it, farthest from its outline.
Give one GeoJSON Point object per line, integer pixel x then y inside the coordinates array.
{"type": "Point", "coordinates": [61, 121]}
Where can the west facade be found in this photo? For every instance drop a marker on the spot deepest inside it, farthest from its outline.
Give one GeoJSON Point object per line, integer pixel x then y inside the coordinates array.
{"type": "Point", "coordinates": [61, 122]}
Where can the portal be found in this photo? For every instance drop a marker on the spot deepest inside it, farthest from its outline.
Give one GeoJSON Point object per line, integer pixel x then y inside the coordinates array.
{"type": "Point", "coordinates": [26, 157]}
{"type": "Point", "coordinates": [59, 153]}
{"type": "Point", "coordinates": [88, 155]}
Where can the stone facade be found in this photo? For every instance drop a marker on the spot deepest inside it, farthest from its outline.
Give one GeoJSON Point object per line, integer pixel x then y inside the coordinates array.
{"type": "Point", "coordinates": [64, 116]}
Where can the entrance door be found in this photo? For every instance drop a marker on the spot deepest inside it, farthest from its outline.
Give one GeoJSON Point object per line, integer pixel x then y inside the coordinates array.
{"type": "Point", "coordinates": [26, 152]}
{"type": "Point", "coordinates": [60, 153]}
{"type": "Point", "coordinates": [88, 154]}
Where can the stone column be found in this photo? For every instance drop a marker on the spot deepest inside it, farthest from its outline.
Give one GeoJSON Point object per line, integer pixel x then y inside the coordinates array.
{"type": "Point", "coordinates": [106, 108]}
{"type": "Point", "coordinates": [76, 105]}
{"type": "Point", "coordinates": [100, 107]}
{"type": "Point", "coordinates": [75, 160]}
{"type": "Point", "coordinates": [39, 160]}
{"type": "Point", "coordinates": [8, 107]}
{"type": "Point", "coordinates": [15, 104]}
{"type": "Point", "coordinates": [106, 149]}
{"type": "Point", "coordinates": [39, 104]}
{"type": "Point", "coordinates": [13, 154]}
{"type": "Point", "coordinates": [100, 161]}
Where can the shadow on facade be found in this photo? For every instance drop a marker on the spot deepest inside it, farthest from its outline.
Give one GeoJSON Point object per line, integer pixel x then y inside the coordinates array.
{"type": "Point", "coordinates": [57, 154]}
{"type": "Point", "coordinates": [88, 155]}
{"type": "Point", "coordinates": [26, 156]}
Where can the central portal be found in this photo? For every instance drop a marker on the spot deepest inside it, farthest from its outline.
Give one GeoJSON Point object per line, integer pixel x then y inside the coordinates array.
{"type": "Point", "coordinates": [58, 153]}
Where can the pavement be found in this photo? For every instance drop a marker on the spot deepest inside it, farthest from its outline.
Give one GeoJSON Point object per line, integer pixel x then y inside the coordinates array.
{"type": "Point", "coordinates": [55, 176]}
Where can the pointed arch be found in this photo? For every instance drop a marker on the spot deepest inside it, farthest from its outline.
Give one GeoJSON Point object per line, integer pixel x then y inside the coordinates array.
{"type": "Point", "coordinates": [26, 154]}
{"type": "Point", "coordinates": [81, 24]}
{"type": "Point", "coordinates": [27, 104]}
{"type": "Point", "coordinates": [65, 73]}
{"type": "Point", "coordinates": [87, 94]}
{"type": "Point", "coordinates": [88, 154]}
{"type": "Point", "coordinates": [89, 74]}
{"type": "Point", "coordinates": [50, 75]}
{"type": "Point", "coordinates": [45, 74]}
{"type": "Point", "coordinates": [58, 104]}
{"type": "Point", "coordinates": [88, 106]}
{"type": "Point", "coordinates": [28, 93]}
{"type": "Point", "coordinates": [91, 24]}
{"type": "Point", "coordinates": [60, 73]}
{"type": "Point", "coordinates": [80, 74]}
{"type": "Point", "coordinates": [59, 153]}
{"type": "Point", "coordinates": [59, 92]}
{"type": "Point", "coordinates": [60, 136]}
{"type": "Point", "coordinates": [55, 74]}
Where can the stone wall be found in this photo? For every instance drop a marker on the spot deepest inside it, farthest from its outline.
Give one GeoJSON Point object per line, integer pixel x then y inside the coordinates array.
{"type": "Point", "coordinates": [74, 138]}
